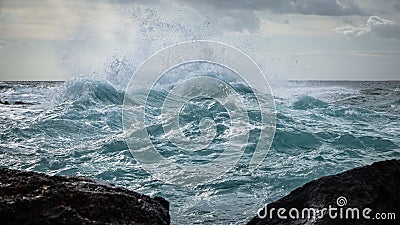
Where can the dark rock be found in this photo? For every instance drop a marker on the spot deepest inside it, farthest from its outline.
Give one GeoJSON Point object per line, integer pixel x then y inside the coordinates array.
{"type": "Point", "coordinates": [21, 103]}
{"type": "Point", "coordinates": [376, 187]}
{"type": "Point", "coordinates": [34, 198]}
{"type": "Point", "coordinates": [15, 103]}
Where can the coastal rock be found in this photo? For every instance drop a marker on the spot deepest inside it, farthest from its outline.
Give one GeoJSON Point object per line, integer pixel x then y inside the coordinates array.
{"type": "Point", "coordinates": [376, 187]}
{"type": "Point", "coordinates": [34, 198]}
{"type": "Point", "coordinates": [14, 103]}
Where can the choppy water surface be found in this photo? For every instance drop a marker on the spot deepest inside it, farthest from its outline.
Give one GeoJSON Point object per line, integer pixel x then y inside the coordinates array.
{"type": "Point", "coordinates": [75, 128]}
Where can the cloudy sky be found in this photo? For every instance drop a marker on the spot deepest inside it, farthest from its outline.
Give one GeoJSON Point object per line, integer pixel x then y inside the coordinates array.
{"type": "Point", "coordinates": [289, 39]}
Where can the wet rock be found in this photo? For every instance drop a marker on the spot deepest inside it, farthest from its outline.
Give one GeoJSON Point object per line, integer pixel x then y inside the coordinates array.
{"type": "Point", "coordinates": [34, 198]}
{"type": "Point", "coordinates": [4, 102]}
{"type": "Point", "coordinates": [15, 103]}
{"type": "Point", "coordinates": [375, 187]}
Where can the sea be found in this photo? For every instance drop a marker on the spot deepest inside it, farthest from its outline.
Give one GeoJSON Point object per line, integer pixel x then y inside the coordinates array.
{"type": "Point", "coordinates": [75, 128]}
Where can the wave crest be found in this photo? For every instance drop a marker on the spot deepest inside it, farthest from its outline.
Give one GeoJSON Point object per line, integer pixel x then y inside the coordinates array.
{"type": "Point", "coordinates": [308, 102]}
{"type": "Point", "coordinates": [86, 92]}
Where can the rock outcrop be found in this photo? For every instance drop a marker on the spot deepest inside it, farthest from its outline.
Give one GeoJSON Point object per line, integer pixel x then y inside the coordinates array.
{"type": "Point", "coordinates": [34, 198]}
{"type": "Point", "coordinates": [375, 187]}
{"type": "Point", "coordinates": [14, 103]}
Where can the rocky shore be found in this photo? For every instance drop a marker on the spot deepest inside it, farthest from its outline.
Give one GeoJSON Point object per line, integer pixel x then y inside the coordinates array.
{"type": "Point", "coordinates": [34, 198]}
{"type": "Point", "coordinates": [375, 187]}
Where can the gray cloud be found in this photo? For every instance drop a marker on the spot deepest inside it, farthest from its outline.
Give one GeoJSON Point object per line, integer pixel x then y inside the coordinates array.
{"type": "Point", "coordinates": [243, 15]}
{"type": "Point", "coordinates": [9, 17]}
{"type": "Point", "coordinates": [232, 20]}
{"type": "Point", "coordinates": [376, 25]}
{"type": "Point", "coordinates": [141, 2]}
{"type": "Point", "coordinates": [397, 6]}
{"type": "Point", "coordinates": [305, 7]}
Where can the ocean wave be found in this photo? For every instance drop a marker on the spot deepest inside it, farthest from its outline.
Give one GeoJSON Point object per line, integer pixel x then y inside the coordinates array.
{"type": "Point", "coordinates": [308, 102]}
{"type": "Point", "coordinates": [288, 140]}
{"type": "Point", "coordinates": [320, 131]}
{"type": "Point", "coordinates": [86, 92]}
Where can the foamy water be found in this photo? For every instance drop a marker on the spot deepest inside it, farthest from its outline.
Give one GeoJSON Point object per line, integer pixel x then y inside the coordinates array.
{"type": "Point", "coordinates": [75, 128]}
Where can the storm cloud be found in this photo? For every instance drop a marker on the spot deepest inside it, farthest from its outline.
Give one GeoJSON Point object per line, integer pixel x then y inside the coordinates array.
{"type": "Point", "coordinates": [305, 7]}
{"type": "Point", "coordinates": [56, 39]}
{"type": "Point", "coordinates": [246, 15]}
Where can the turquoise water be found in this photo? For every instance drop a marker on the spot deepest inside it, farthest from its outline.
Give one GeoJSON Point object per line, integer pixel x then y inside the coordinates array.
{"type": "Point", "coordinates": [75, 128]}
